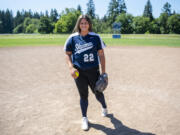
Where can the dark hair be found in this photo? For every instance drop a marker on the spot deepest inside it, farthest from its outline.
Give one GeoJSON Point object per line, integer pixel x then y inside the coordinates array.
{"type": "Point", "coordinates": [77, 26]}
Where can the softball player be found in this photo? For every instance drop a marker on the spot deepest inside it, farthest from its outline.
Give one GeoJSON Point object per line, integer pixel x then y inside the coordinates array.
{"type": "Point", "coordinates": [84, 50]}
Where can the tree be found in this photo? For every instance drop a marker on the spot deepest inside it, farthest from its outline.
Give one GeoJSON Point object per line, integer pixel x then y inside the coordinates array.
{"type": "Point", "coordinates": [30, 28]}
{"type": "Point", "coordinates": [22, 15]}
{"type": "Point", "coordinates": [45, 25]}
{"type": "Point", "coordinates": [163, 23]}
{"type": "Point", "coordinates": [2, 20]}
{"type": "Point", "coordinates": [36, 15]}
{"type": "Point", "coordinates": [18, 29]}
{"type": "Point", "coordinates": [154, 27]}
{"type": "Point", "coordinates": [27, 21]}
{"type": "Point", "coordinates": [174, 23]}
{"type": "Point", "coordinates": [46, 13]}
{"type": "Point", "coordinates": [126, 21]}
{"type": "Point", "coordinates": [174, 12]}
{"type": "Point", "coordinates": [54, 15]}
{"type": "Point", "coordinates": [148, 10]}
{"type": "Point", "coordinates": [67, 21]}
{"type": "Point", "coordinates": [41, 14]}
{"type": "Point", "coordinates": [79, 9]}
{"type": "Point", "coordinates": [141, 24]}
{"type": "Point", "coordinates": [6, 21]}
{"type": "Point", "coordinates": [98, 25]}
{"type": "Point", "coordinates": [31, 25]}
{"type": "Point", "coordinates": [28, 14]}
{"type": "Point", "coordinates": [91, 9]}
{"type": "Point", "coordinates": [1, 24]}
{"type": "Point", "coordinates": [18, 19]}
{"type": "Point", "coordinates": [121, 6]}
{"type": "Point", "coordinates": [112, 11]}
{"type": "Point", "coordinates": [167, 8]}
{"type": "Point", "coordinates": [105, 27]}
{"type": "Point", "coordinates": [115, 8]}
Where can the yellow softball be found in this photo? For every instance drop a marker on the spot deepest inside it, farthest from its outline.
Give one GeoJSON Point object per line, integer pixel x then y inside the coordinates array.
{"type": "Point", "coordinates": [77, 74]}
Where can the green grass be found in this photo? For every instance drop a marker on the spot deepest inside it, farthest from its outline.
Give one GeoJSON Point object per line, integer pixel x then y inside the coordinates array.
{"type": "Point", "coordinates": [59, 39]}
{"type": "Point", "coordinates": [31, 40]}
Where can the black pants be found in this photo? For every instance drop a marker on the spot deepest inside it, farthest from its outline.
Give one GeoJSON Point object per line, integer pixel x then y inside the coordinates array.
{"type": "Point", "coordinates": [88, 78]}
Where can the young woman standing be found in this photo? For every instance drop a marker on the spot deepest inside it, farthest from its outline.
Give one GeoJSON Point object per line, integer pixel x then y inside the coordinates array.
{"type": "Point", "coordinates": [84, 51]}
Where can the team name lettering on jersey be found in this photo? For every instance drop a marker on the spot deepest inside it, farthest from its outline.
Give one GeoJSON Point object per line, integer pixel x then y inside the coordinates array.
{"type": "Point", "coordinates": [83, 47]}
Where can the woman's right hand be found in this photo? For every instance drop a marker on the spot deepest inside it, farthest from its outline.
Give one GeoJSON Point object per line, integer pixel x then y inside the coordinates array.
{"type": "Point", "coordinates": [73, 73]}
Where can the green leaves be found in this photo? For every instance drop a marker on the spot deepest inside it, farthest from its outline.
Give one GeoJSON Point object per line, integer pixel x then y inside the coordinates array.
{"type": "Point", "coordinates": [126, 21]}
{"type": "Point", "coordinates": [148, 10]}
{"type": "Point", "coordinates": [45, 26]}
{"type": "Point", "coordinates": [141, 24]}
{"type": "Point", "coordinates": [91, 9]}
{"type": "Point", "coordinates": [67, 21]}
{"type": "Point", "coordinates": [167, 8]}
{"type": "Point", "coordinates": [174, 23]}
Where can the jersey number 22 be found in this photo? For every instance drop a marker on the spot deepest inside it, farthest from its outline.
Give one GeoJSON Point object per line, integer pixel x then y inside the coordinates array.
{"type": "Point", "coordinates": [88, 57]}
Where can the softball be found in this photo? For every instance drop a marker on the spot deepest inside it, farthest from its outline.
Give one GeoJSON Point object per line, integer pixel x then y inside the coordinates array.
{"type": "Point", "coordinates": [77, 74]}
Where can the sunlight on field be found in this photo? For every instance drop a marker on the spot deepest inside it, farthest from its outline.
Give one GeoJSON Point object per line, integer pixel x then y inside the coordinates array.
{"type": "Point", "coordinates": [59, 39]}
{"type": "Point", "coordinates": [144, 36]}
{"type": "Point", "coordinates": [32, 36]}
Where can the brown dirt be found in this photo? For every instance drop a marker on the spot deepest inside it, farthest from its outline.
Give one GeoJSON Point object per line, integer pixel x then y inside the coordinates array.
{"type": "Point", "coordinates": [39, 97]}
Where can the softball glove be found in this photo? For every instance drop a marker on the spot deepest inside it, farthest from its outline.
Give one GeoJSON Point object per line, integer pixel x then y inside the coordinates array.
{"type": "Point", "coordinates": [101, 83]}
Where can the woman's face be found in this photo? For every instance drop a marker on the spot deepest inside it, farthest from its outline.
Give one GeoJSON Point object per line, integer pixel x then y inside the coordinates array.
{"type": "Point", "coordinates": [84, 25]}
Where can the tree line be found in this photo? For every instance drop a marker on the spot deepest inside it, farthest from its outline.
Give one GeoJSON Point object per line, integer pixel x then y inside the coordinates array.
{"type": "Point", "coordinates": [64, 22]}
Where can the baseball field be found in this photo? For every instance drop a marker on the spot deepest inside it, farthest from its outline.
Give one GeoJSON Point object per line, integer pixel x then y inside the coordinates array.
{"type": "Point", "coordinates": [39, 97]}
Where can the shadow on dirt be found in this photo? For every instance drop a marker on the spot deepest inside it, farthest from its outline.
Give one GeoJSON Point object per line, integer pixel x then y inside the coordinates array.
{"type": "Point", "coordinates": [119, 128]}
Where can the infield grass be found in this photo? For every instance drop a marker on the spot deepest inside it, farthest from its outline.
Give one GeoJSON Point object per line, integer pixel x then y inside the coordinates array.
{"type": "Point", "coordinates": [9, 40]}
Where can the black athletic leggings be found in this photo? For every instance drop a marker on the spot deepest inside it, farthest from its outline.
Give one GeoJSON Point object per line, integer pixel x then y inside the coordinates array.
{"type": "Point", "coordinates": [88, 78]}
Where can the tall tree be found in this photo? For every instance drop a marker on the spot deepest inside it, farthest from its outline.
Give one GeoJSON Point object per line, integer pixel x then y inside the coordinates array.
{"type": "Point", "coordinates": [91, 9]}
{"type": "Point", "coordinates": [112, 11]}
{"type": "Point", "coordinates": [174, 23]}
{"type": "Point", "coordinates": [167, 8]}
{"type": "Point", "coordinates": [141, 24]}
{"type": "Point", "coordinates": [41, 14]}
{"type": "Point", "coordinates": [28, 14]}
{"type": "Point", "coordinates": [19, 28]}
{"type": "Point", "coordinates": [27, 21]}
{"type": "Point", "coordinates": [154, 27]}
{"type": "Point", "coordinates": [79, 9]}
{"type": "Point", "coordinates": [122, 6]}
{"type": "Point", "coordinates": [45, 25]}
{"type": "Point", "coordinates": [174, 12]}
{"type": "Point", "coordinates": [2, 19]}
{"type": "Point", "coordinates": [67, 21]}
{"type": "Point", "coordinates": [32, 26]}
{"type": "Point", "coordinates": [126, 21]}
{"type": "Point", "coordinates": [163, 23]}
{"type": "Point", "coordinates": [36, 15]}
{"type": "Point", "coordinates": [6, 21]}
{"type": "Point", "coordinates": [148, 10]}
{"type": "Point", "coordinates": [54, 15]}
{"type": "Point", "coordinates": [46, 13]}
{"type": "Point", "coordinates": [20, 17]}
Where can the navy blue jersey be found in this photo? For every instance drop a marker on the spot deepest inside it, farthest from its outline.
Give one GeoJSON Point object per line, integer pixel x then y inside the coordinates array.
{"type": "Point", "coordinates": [84, 49]}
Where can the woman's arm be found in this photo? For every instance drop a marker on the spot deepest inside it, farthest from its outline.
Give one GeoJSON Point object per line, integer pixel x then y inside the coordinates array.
{"type": "Point", "coordinates": [102, 60]}
{"type": "Point", "coordinates": [69, 62]}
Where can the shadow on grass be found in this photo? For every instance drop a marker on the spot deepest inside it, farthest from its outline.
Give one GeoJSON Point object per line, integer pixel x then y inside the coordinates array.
{"type": "Point", "coordinates": [119, 128]}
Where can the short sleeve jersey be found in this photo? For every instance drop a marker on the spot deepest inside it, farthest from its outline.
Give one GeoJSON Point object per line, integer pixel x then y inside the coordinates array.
{"type": "Point", "coordinates": [84, 49]}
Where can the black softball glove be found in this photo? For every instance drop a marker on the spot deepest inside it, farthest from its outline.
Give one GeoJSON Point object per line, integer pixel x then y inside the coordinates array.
{"type": "Point", "coordinates": [101, 83]}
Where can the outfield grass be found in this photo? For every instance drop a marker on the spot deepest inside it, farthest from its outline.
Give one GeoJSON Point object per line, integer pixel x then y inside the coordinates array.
{"type": "Point", "coordinates": [59, 39]}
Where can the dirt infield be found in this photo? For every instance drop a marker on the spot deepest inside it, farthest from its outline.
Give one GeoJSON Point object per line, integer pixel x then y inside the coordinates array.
{"type": "Point", "coordinates": [39, 97]}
